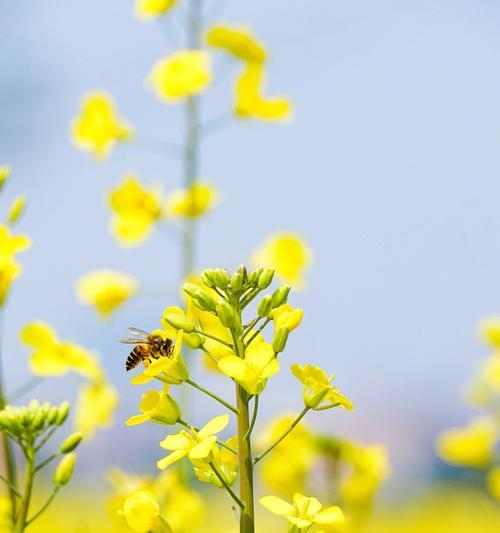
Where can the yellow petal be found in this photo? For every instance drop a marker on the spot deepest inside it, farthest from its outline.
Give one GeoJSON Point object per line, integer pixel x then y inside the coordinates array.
{"type": "Point", "coordinates": [137, 419]}
{"type": "Point", "coordinates": [38, 334]}
{"type": "Point", "coordinates": [171, 458]}
{"type": "Point", "coordinates": [330, 516]}
{"type": "Point", "coordinates": [214, 426]}
{"type": "Point", "coordinates": [276, 505]}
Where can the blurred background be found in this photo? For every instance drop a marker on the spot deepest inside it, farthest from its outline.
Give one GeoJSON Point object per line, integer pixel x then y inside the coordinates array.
{"type": "Point", "coordinates": [389, 170]}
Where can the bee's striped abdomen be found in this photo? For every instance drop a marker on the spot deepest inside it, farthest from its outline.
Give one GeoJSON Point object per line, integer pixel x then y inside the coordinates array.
{"type": "Point", "coordinates": [137, 356]}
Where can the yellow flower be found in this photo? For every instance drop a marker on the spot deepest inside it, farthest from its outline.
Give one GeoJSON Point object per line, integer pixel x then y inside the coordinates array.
{"type": "Point", "coordinates": [10, 245]}
{"type": "Point", "coordinates": [287, 254]}
{"type": "Point", "coordinates": [305, 511]}
{"type": "Point", "coordinates": [97, 402]}
{"type": "Point", "coordinates": [472, 445]}
{"type": "Point", "coordinates": [149, 9]}
{"type": "Point", "coordinates": [97, 128]}
{"type": "Point", "coordinates": [494, 482]}
{"type": "Point", "coordinates": [52, 357]}
{"type": "Point", "coordinates": [157, 406]}
{"type": "Point", "coordinates": [489, 330]}
{"type": "Point", "coordinates": [197, 446]}
{"type": "Point", "coordinates": [224, 461]}
{"type": "Point", "coordinates": [317, 391]}
{"type": "Point", "coordinates": [5, 171]}
{"type": "Point", "coordinates": [249, 101]}
{"type": "Point", "coordinates": [135, 210]}
{"type": "Point", "coordinates": [239, 42]}
{"type": "Point", "coordinates": [142, 512]}
{"type": "Point", "coordinates": [255, 369]}
{"type": "Point", "coordinates": [106, 290]}
{"type": "Point", "coordinates": [484, 389]}
{"type": "Point", "coordinates": [193, 340]}
{"type": "Point", "coordinates": [193, 202]}
{"type": "Point", "coordinates": [285, 316]}
{"type": "Point", "coordinates": [181, 75]}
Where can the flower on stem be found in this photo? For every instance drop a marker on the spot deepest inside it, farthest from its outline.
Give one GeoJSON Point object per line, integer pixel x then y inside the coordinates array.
{"type": "Point", "coordinates": [151, 9]}
{"type": "Point", "coordinates": [105, 290]}
{"type": "Point", "coordinates": [285, 316]}
{"type": "Point", "coordinates": [157, 406]}
{"type": "Point", "coordinates": [135, 208]}
{"type": "Point", "coordinates": [53, 357]}
{"type": "Point", "coordinates": [98, 128]}
{"type": "Point", "coordinates": [10, 245]}
{"type": "Point", "coordinates": [197, 446]}
{"type": "Point", "coordinates": [255, 369]}
{"type": "Point", "coordinates": [239, 42]}
{"type": "Point", "coordinates": [287, 254]}
{"type": "Point", "coordinates": [142, 512]}
{"type": "Point", "coordinates": [224, 461]}
{"type": "Point", "coordinates": [317, 391]}
{"type": "Point", "coordinates": [97, 402]}
{"type": "Point", "coordinates": [193, 202]}
{"type": "Point", "coordinates": [304, 512]}
{"type": "Point", "coordinates": [181, 75]}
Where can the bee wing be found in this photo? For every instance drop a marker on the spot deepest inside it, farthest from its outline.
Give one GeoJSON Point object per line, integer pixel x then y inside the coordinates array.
{"type": "Point", "coordinates": [138, 336]}
{"type": "Point", "coordinates": [130, 340]}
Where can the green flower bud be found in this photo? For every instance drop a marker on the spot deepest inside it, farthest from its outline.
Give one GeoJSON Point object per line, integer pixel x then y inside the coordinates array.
{"type": "Point", "coordinates": [193, 340]}
{"type": "Point", "coordinates": [266, 278]}
{"type": "Point", "coordinates": [221, 278]}
{"type": "Point", "coordinates": [4, 421]}
{"type": "Point", "coordinates": [38, 421]}
{"type": "Point", "coordinates": [237, 282]}
{"type": "Point", "coordinates": [180, 322]}
{"type": "Point", "coordinates": [265, 305]}
{"type": "Point", "coordinates": [16, 209]}
{"type": "Point", "coordinates": [201, 299]}
{"type": "Point", "coordinates": [280, 296]}
{"type": "Point", "coordinates": [71, 443]}
{"type": "Point", "coordinates": [279, 340]}
{"type": "Point", "coordinates": [207, 278]}
{"type": "Point", "coordinates": [242, 269]}
{"type": "Point", "coordinates": [253, 277]}
{"type": "Point", "coordinates": [4, 174]}
{"type": "Point", "coordinates": [52, 416]}
{"type": "Point", "coordinates": [62, 415]}
{"type": "Point", "coordinates": [226, 314]}
{"type": "Point", "coordinates": [64, 470]}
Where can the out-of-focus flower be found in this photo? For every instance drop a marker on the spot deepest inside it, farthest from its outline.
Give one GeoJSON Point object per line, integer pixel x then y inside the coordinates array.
{"type": "Point", "coordinates": [197, 446]}
{"type": "Point", "coordinates": [255, 369]}
{"type": "Point", "coordinates": [53, 357]}
{"type": "Point", "coordinates": [489, 330]}
{"type": "Point", "coordinates": [239, 42]}
{"type": "Point", "coordinates": [157, 406]}
{"type": "Point", "coordinates": [305, 511]}
{"type": "Point", "coordinates": [97, 402]}
{"type": "Point", "coordinates": [484, 388]}
{"type": "Point", "coordinates": [150, 9]}
{"type": "Point", "coordinates": [98, 127]}
{"type": "Point", "coordinates": [472, 445]}
{"type": "Point", "coordinates": [142, 512]}
{"type": "Point", "coordinates": [249, 100]}
{"type": "Point", "coordinates": [10, 245]}
{"type": "Point", "coordinates": [183, 74]}
{"type": "Point", "coordinates": [494, 482]}
{"type": "Point", "coordinates": [285, 316]}
{"type": "Point", "coordinates": [135, 210]}
{"type": "Point", "coordinates": [105, 290]}
{"type": "Point", "coordinates": [317, 391]}
{"type": "Point", "coordinates": [5, 171]}
{"type": "Point", "coordinates": [224, 461]}
{"type": "Point", "coordinates": [287, 254]}
{"type": "Point", "coordinates": [16, 209]}
{"type": "Point", "coordinates": [5, 512]}
{"type": "Point", "coordinates": [193, 202]}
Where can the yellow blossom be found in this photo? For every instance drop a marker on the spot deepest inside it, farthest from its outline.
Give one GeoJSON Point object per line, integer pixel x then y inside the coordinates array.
{"type": "Point", "coordinates": [484, 389]}
{"type": "Point", "coordinates": [149, 9]}
{"type": "Point", "coordinates": [285, 316]}
{"type": "Point", "coordinates": [317, 391]}
{"type": "Point", "coordinates": [52, 357]}
{"type": "Point", "coordinates": [10, 245]}
{"type": "Point", "coordinates": [135, 210]}
{"type": "Point", "coordinates": [239, 42]}
{"type": "Point", "coordinates": [472, 445]}
{"type": "Point", "coordinates": [489, 330]}
{"type": "Point", "coordinates": [255, 369]}
{"type": "Point", "coordinates": [105, 290]}
{"type": "Point", "coordinates": [157, 406]}
{"type": "Point", "coordinates": [287, 254]}
{"type": "Point", "coordinates": [97, 402]}
{"type": "Point", "coordinates": [193, 202]}
{"type": "Point", "coordinates": [305, 511]}
{"type": "Point", "coordinates": [249, 101]}
{"type": "Point", "coordinates": [5, 171]}
{"type": "Point", "coordinates": [142, 512]}
{"type": "Point", "coordinates": [494, 482]}
{"type": "Point", "coordinates": [224, 461]}
{"type": "Point", "coordinates": [197, 446]}
{"type": "Point", "coordinates": [181, 75]}
{"type": "Point", "coordinates": [97, 128]}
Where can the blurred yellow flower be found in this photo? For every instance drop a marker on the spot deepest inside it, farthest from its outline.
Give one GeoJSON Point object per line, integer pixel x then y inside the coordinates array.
{"type": "Point", "coordinates": [135, 210]}
{"type": "Point", "coordinates": [97, 402]}
{"type": "Point", "coordinates": [105, 290]}
{"type": "Point", "coordinates": [472, 445]}
{"type": "Point", "coordinates": [193, 202]}
{"type": "Point", "coordinates": [5, 512]}
{"type": "Point", "coordinates": [157, 406]}
{"type": "Point", "coordinates": [225, 462]}
{"type": "Point", "coordinates": [181, 75]}
{"type": "Point", "coordinates": [287, 254]}
{"type": "Point", "coordinates": [484, 390]}
{"type": "Point", "coordinates": [255, 369]}
{"type": "Point", "coordinates": [5, 171]}
{"type": "Point", "coordinates": [97, 128]}
{"type": "Point", "coordinates": [494, 482]}
{"type": "Point", "coordinates": [16, 209]}
{"type": "Point", "coordinates": [149, 9]}
{"type": "Point", "coordinates": [489, 331]}
{"type": "Point", "coordinates": [239, 42]}
{"type": "Point", "coordinates": [285, 316]}
{"type": "Point", "coordinates": [249, 101]}
{"type": "Point", "coordinates": [142, 512]}
{"type": "Point", "coordinates": [52, 357]}
{"type": "Point", "coordinates": [197, 446]}
{"type": "Point", "coordinates": [305, 511]}
{"type": "Point", "coordinates": [10, 245]}
{"type": "Point", "coordinates": [317, 391]}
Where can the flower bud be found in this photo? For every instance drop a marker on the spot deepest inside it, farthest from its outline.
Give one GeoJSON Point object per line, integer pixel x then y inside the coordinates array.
{"type": "Point", "coordinates": [62, 415]}
{"type": "Point", "coordinates": [71, 443]}
{"type": "Point", "coordinates": [221, 278]}
{"type": "Point", "coordinates": [237, 282]}
{"type": "Point", "coordinates": [16, 209]}
{"type": "Point", "coordinates": [201, 299]}
{"type": "Point", "coordinates": [226, 314]}
{"type": "Point", "coordinates": [279, 340]}
{"type": "Point", "coordinates": [52, 415]}
{"type": "Point", "coordinates": [265, 305]}
{"type": "Point", "coordinates": [266, 278]}
{"type": "Point", "coordinates": [242, 269]}
{"type": "Point", "coordinates": [253, 277]}
{"type": "Point", "coordinates": [38, 421]}
{"type": "Point", "coordinates": [207, 278]}
{"type": "Point", "coordinates": [64, 470]}
{"type": "Point", "coordinates": [193, 340]}
{"type": "Point", "coordinates": [280, 296]}
{"type": "Point", "coordinates": [180, 322]}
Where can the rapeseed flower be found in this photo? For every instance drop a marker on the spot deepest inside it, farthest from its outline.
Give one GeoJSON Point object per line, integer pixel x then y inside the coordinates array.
{"type": "Point", "coordinates": [97, 402]}
{"type": "Point", "coordinates": [489, 330]}
{"type": "Point", "coordinates": [142, 512]}
{"type": "Point", "coordinates": [150, 9]}
{"type": "Point", "coordinates": [10, 245]}
{"type": "Point", "coordinates": [224, 461]}
{"type": "Point", "coordinates": [285, 316]}
{"type": "Point", "coordinates": [193, 202]}
{"type": "Point", "coordinates": [157, 406]}
{"type": "Point", "coordinates": [239, 42]}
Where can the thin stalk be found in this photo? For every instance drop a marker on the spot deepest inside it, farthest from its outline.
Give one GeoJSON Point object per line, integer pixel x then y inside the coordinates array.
{"type": "Point", "coordinates": [254, 416]}
{"type": "Point", "coordinates": [28, 489]}
{"type": "Point", "coordinates": [212, 395]}
{"type": "Point", "coordinates": [277, 441]}
{"type": "Point", "coordinates": [213, 337]}
{"type": "Point", "coordinates": [263, 325]}
{"type": "Point", "coordinates": [226, 486]}
{"type": "Point", "coordinates": [47, 461]}
{"type": "Point", "coordinates": [6, 481]}
{"type": "Point", "coordinates": [50, 499]}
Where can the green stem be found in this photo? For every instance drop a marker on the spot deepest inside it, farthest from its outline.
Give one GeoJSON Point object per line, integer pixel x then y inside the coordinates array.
{"type": "Point", "coordinates": [47, 461]}
{"type": "Point", "coordinates": [212, 395]}
{"type": "Point", "coordinates": [44, 507]}
{"type": "Point", "coordinates": [11, 487]}
{"type": "Point", "coordinates": [28, 489]}
{"type": "Point", "coordinates": [254, 416]}
{"type": "Point", "coordinates": [213, 337]}
{"type": "Point", "coordinates": [226, 486]}
{"type": "Point", "coordinates": [276, 442]}
{"type": "Point", "coordinates": [263, 325]}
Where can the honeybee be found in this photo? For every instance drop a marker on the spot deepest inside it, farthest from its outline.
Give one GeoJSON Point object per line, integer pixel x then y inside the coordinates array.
{"type": "Point", "coordinates": [147, 348]}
